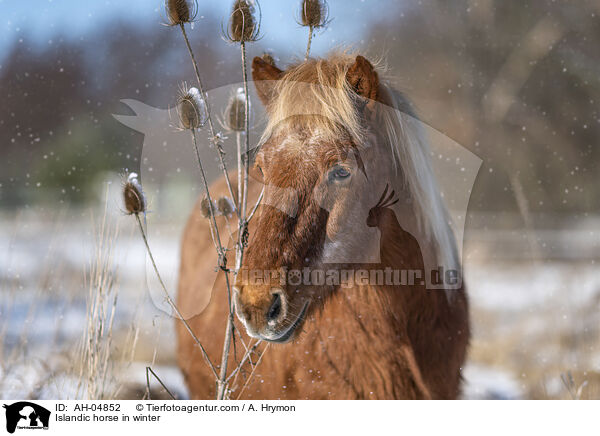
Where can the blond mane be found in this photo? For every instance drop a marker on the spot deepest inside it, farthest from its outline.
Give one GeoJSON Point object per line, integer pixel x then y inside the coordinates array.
{"type": "Point", "coordinates": [317, 89]}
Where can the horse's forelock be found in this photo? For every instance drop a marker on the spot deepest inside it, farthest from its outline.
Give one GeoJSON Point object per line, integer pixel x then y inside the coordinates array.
{"type": "Point", "coordinates": [318, 90]}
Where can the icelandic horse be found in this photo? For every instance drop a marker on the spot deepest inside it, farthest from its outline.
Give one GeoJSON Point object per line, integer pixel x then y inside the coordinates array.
{"type": "Point", "coordinates": [346, 177]}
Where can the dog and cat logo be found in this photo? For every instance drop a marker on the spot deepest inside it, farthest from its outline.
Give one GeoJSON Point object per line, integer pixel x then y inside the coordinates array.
{"type": "Point", "coordinates": [26, 415]}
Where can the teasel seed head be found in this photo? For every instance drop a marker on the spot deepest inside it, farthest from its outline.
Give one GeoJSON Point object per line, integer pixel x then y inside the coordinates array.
{"type": "Point", "coordinates": [235, 114]}
{"type": "Point", "coordinates": [191, 109]}
{"type": "Point", "coordinates": [225, 206]}
{"type": "Point", "coordinates": [314, 13]}
{"type": "Point", "coordinates": [205, 207]}
{"type": "Point", "coordinates": [180, 11]}
{"type": "Point", "coordinates": [133, 195]}
{"type": "Point", "coordinates": [243, 25]}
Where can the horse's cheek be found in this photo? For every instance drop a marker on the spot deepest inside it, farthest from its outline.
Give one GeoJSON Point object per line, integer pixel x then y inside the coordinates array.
{"type": "Point", "coordinates": [333, 223]}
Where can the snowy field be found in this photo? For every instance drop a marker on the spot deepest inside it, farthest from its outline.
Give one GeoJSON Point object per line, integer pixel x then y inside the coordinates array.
{"type": "Point", "coordinates": [536, 323]}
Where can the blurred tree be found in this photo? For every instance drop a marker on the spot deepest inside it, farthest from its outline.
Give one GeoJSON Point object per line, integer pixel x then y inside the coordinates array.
{"type": "Point", "coordinates": [56, 126]}
{"type": "Point", "coordinates": [515, 82]}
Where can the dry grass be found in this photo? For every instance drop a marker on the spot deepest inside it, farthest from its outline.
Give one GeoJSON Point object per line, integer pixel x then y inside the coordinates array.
{"type": "Point", "coordinates": [58, 337]}
{"type": "Point", "coordinates": [97, 366]}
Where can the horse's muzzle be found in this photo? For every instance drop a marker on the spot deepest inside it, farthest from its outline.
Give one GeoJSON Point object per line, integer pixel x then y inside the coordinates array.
{"type": "Point", "coordinates": [265, 313]}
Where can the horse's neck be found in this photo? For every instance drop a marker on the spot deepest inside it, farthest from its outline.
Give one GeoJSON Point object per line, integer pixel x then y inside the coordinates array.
{"type": "Point", "coordinates": [395, 341]}
{"type": "Point", "coordinates": [393, 328]}
{"type": "Point", "coordinates": [363, 332]}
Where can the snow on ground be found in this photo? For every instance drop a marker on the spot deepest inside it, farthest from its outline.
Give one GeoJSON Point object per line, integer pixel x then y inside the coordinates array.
{"type": "Point", "coordinates": [485, 383]}
{"type": "Point", "coordinates": [516, 286]}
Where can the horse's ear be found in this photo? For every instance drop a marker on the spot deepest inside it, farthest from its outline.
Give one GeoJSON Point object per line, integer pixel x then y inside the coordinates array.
{"type": "Point", "coordinates": [263, 74]}
{"type": "Point", "coordinates": [363, 79]}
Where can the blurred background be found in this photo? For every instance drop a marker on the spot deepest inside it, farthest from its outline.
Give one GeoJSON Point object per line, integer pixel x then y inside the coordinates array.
{"type": "Point", "coordinates": [517, 83]}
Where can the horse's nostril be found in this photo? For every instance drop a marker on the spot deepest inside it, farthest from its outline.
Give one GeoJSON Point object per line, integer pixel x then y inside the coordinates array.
{"type": "Point", "coordinates": [275, 309]}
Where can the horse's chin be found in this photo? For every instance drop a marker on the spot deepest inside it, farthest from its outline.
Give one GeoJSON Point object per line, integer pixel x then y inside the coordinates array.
{"type": "Point", "coordinates": [288, 334]}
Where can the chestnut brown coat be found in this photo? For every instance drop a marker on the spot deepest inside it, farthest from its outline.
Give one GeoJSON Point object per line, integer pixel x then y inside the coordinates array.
{"type": "Point", "coordinates": [332, 182]}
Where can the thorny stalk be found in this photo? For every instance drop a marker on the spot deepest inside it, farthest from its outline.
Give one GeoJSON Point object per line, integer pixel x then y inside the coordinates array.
{"type": "Point", "coordinates": [253, 211]}
{"type": "Point", "coordinates": [238, 140]}
{"type": "Point", "coordinates": [223, 265]}
{"type": "Point", "coordinates": [214, 137]}
{"type": "Point", "coordinates": [242, 191]}
{"type": "Point", "coordinates": [246, 356]}
{"type": "Point", "coordinates": [213, 227]}
{"type": "Point", "coordinates": [150, 371]}
{"type": "Point", "coordinates": [247, 130]}
{"type": "Point", "coordinates": [241, 202]}
{"type": "Point", "coordinates": [243, 228]}
{"type": "Point", "coordinates": [252, 373]}
{"type": "Point", "coordinates": [169, 299]}
{"type": "Point", "coordinates": [310, 37]}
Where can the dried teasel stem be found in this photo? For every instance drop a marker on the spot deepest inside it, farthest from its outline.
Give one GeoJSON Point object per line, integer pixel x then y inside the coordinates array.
{"type": "Point", "coordinates": [235, 121]}
{"type": "Point", "coordinates": [247, 142]}
{"type": "Point", "coordinates": [209, 210]}
{"type": "Point", "coordinates": [314, 14]}
{"type": "Point", "coordinates": [243, 223]}
{"type": "Point", "coordinates": [245, 358]}
{"type": "Point", "coordinates": [222, 379]}
{"type": "Point", "coordinates": [310, 37]}
{"type": "Point", "coordinates": [221, 385]}
{"type": "Point", "coordinates": [127, 191]}
{"type": "Point", "coordinates": [253, 211]}
{"type": "Point", "coordinates": [149, 371]}
{"type": "Point", "coordinates": [169, 299]}
{"type": "Point", "coordinates": [240, 168]}
{"type": "Point", "coordinates": [243, 28]}
{"type": "Point", "coordinates": [215, 138]}
{"type": "Point", "coordinates": [252, 372]}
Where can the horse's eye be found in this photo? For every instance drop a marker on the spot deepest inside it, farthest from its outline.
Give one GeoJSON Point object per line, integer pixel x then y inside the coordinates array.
{"type": "Point", "coordinates": [338, 173]}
